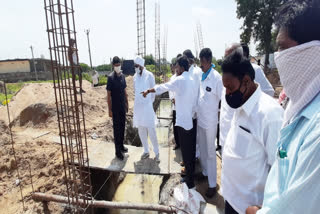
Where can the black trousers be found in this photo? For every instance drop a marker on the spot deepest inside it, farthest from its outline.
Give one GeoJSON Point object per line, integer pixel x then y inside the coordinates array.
{"type": "Point", "coordinates": [119, 122]}
{"type": "Point", "coordinates": [228, 209]}
{"type": "Point", "coordinates": [175, 128]}
{"type": "Point", "coordinates": [194, 131]}
{"type": "Point", "coordinates": [188, 150]}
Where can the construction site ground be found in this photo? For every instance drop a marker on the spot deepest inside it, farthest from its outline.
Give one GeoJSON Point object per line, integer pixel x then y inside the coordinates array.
{"type": "Point", "coordinates": [39, 160]}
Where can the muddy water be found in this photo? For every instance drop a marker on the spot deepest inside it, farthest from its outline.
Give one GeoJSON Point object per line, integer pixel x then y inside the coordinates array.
{"type": "Point", "coordinates": [146, 188]}
{"type": "Point", "coordinates": [139, 189]}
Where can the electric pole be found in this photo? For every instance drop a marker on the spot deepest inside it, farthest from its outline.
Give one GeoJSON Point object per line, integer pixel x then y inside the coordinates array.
{"type": "Point", "coordinates": [34, 64]}
{"type": "Point", "coordinates": [87, 32]}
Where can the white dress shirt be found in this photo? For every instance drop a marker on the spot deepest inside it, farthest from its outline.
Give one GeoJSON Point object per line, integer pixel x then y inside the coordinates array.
{"type": "Point", "coordinates": [261, 78]}
{"type": "Point", "coordinates": [171, 93]}
{"type": "Point", "coordinates": [250, 150]}
{"type": "Point", "coordinates": [196, 74]}
{"type": "Point", "coordinates": [184, 90]}
{"type": "Point", "coordinates": [226, 115]}
{"type": "Point", "coordinates": [209, 98]}
{"type": "Point", "coordinates": [143, 113]}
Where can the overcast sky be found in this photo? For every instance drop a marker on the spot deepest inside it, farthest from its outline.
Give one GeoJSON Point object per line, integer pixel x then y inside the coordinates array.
{"type": "Point", "coordinates": [113, 30]}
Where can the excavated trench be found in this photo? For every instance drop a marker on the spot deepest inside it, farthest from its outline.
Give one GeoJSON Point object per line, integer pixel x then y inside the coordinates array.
{"type": "Point", "coordinates": [143, 188]}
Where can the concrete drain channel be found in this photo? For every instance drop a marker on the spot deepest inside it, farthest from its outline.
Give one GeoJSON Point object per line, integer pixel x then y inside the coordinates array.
{"type": "Point", "coordinates": [138, 188]}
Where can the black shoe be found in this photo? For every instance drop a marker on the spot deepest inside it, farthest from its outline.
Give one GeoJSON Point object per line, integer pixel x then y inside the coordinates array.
{"type": "Point", "coordinates": [124, 149]}
{"type": "Point", "coordinates": [176, 147]}
{"type": "Point", "coordinates": [120, 156]}
{"type": "Point", "coordinates": [211, 192]}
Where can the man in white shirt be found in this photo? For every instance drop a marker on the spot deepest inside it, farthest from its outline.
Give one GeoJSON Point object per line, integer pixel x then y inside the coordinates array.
{"type": "Point", "coordinates": [144, 117]}
{"type": "Point", "coordinates": [183, 87]}
{"type": "Point", "coordinates": [195, 73]}
{"type": "Point", "coordinates": [171, 97]}
{"type": "Point", "coordinates": [207, 114]}
{"type": "Point", "coordinates": [226, 113]}
{"type": "Point", "coordinates": [250, 147]}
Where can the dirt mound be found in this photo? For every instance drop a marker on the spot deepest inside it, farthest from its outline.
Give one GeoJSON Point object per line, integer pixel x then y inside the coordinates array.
{"type": "Point", "coordinates": [4, 134]}
{"type": "Point", "coordinates": [35, 115]}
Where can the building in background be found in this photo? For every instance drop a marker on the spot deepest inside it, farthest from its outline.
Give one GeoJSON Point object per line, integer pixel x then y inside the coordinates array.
{"type": "Point", "coordinates": [24, 65]}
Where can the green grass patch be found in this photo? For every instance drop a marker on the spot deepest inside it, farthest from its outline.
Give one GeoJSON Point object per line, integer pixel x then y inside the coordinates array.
{"type": "Point", "coordinates": [12, 89]}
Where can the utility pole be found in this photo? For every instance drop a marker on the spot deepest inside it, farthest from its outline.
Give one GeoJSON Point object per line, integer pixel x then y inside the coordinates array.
{"type": "Point", "coordinates": [87, 32]}
{"type": "Point", "coordinates": [34, 64]}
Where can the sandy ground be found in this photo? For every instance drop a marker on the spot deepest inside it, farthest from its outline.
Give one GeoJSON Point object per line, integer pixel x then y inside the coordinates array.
{"type": "Point", "coordinates": [34, 125]}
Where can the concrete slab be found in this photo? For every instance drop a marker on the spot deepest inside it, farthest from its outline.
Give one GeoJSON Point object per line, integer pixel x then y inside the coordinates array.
{"type": "Point", "coordinates": [102, 156]}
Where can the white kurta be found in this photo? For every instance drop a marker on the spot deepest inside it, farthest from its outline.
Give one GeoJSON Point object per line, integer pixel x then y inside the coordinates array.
{"type": "Point", "coordinates": [143, 113]}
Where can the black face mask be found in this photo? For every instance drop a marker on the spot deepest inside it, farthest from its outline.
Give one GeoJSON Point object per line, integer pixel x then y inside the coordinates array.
{"type": "Point", "coordinates": [235, 99]}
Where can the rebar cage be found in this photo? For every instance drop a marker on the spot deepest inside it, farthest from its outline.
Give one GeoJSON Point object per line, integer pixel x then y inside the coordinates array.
{"type": "Point", "coordinates": [67, 82]}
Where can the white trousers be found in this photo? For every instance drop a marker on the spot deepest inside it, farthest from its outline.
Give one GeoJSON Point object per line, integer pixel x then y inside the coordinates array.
{"type": "Point", "coordinates": [207, 148]}
{"type": "Point", "coordinates": [144, 132]}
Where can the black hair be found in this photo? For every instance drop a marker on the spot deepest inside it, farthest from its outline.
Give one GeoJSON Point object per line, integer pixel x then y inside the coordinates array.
{"type": "Point", "coordinates": [182, 61]}
{"type": "Point", "coordinates": [301, 19]}
{"type": "Point", "coordinates": [206, 53]}
{"type": "Point", "coordinates": [246, 51]}
{"type": "Point", "coordinates": [115, 60]}
{"type": "Point", "coordinates": [188, 53]}
{"type": "Point", "coordinates": [179, 55]}
{"type": "Point", "coordinates": [238, 66]}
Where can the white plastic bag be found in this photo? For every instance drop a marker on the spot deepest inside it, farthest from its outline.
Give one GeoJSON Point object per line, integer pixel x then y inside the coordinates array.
{"type": "Point", "coordinates": [187, 200]}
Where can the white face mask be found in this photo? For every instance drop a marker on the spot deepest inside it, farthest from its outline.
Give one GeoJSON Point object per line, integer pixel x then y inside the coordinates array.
{"type": "Point", "coordinates": [117, 69]}
{"type": "Point", "coordinates": [299, 74]}
{"type": "Point", "coordinates": [137, 70]}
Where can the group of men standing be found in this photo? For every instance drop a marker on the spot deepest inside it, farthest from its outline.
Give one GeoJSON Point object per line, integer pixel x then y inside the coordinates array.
{"type": "Point", "coordinates": [264, 170]}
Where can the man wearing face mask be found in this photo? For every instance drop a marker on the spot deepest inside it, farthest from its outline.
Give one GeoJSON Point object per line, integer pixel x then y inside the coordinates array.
{"type": "Point", "coordinates": [293, 183]}
{"type": "Point", "coordinates": [250, 146]}
{"type": "Point", "coordinates": [183, 87]}
{"type": "Point", "coordinates": [226, 113]}
{"type": "Point", "coordinates": [144, 117]}
{"type": "Point", "coordinates": [118, 105]}
{"type": "Point", "coordinates": [207, 113]}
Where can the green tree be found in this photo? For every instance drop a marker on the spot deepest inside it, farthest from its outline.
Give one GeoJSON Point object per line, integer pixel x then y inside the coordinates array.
{"type": "Point", "coordinates": [149, 60]}
{"type": "Point", "coordinates": [85, 67]}
{"type": "Point", "coordinates": [258, 22]}
{"type": "Point", "coordinates": [217, 63]}
{"type": "Point", "coordinates": [104, 67]}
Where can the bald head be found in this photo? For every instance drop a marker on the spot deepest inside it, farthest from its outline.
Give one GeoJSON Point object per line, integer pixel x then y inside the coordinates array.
{"type": "Point", "coordinates": [235, 47]}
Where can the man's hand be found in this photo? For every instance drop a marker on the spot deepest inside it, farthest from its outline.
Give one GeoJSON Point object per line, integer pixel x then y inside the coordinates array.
{"type": "Point", "coordinates": [252, 210]}
{"type": "Point", "coordinates": [173, 101]}
{"type": "Point", "coordinates": [110, 114]}
{"type": "Point", "coordinates": [145, 93]}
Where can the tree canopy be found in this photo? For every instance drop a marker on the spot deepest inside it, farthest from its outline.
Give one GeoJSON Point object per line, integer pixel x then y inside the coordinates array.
{"type": "Point", "coordinates": [149, 60]}
{"type": "Point", "coordinates": [258, 23]}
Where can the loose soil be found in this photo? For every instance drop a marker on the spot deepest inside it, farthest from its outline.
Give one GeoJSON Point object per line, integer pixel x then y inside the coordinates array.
{"type": "Point", "coordinates": [34, 125]}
